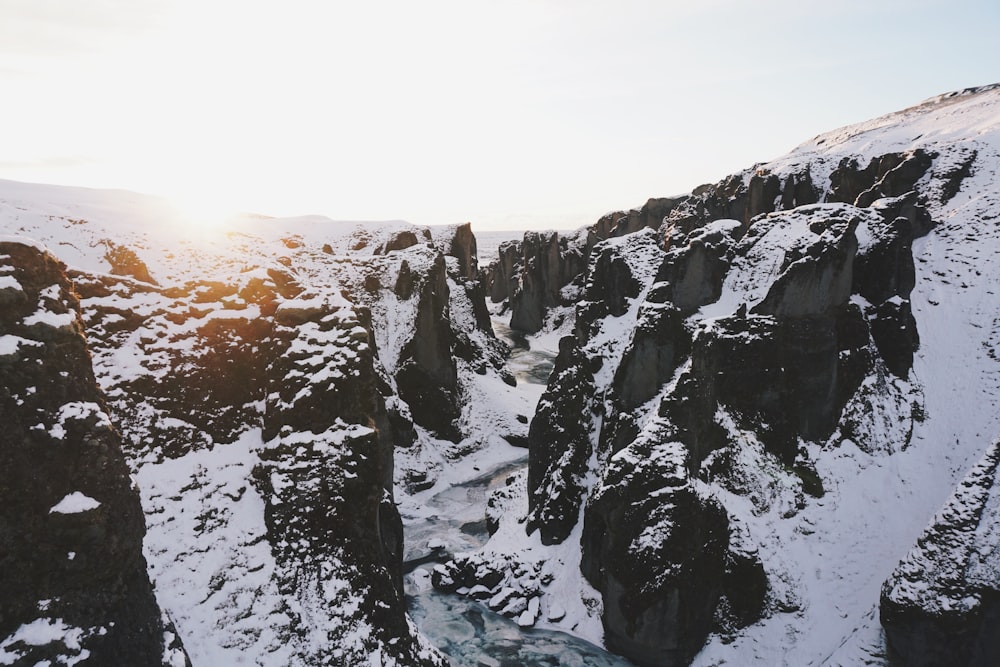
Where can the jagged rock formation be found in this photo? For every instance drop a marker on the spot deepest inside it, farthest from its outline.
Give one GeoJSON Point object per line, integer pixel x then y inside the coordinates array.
{"type": "Point", "coordinates": [561, 446]}
{"type": "Point", "coordinates": [785, 354]}
{"type": "Point", "coordinates": [744, 430]}
{"type": "Point", "coordinates": [530, 275]}
{"type": "Point", "coordinates": [276, 351]}
{"type": "Point", "coordinates": [941, 605]}
{"type": "Point", "coordinates": [718, 351]}
{"type": "Point", "coordinates": [73, 576]}
{"type": "Point", "coordinates": [656, 550]}
{"type": "Point", "coordinates": [325, 475]}
{"type": "Point", "coordinates": [262, 408]}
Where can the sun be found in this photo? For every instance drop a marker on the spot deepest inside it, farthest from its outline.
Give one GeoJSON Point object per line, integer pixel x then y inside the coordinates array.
{"type": "Point", "coordinates": [202, 215]}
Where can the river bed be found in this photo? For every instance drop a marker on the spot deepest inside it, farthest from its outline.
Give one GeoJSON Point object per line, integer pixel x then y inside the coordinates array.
{"type": "Point", "coordinates": [466, 631]}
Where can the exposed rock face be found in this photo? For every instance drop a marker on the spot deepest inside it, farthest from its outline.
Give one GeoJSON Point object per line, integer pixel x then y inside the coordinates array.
{"type": "Point", "coordinates": [463, 248]}
{"type": "Point", "coordinates": [401, 240]}
{"type": "Point", "coordinates": [422, 342]}
{"type": "Point", "coordinates": [889, 175]}
{"type": "Point", "coordinates": [715, 349]}
{"type": "Point", "coordinates": [197, 384]}
{"type": "Point", "coordinates": [531, 274]}
{"type": "Point", "coordinates": [656, 550]}
{"type": "Point", "coordinates": [814, 279]}
{"type": "Point", "coordinates": [297, 363]}
{"type": "Point", "coordinates": [427, 377]}
{"type": "Point", "coordinates": [548, 264]}
{"type": "Point", "coordinates": [72, 572]}
{"type": "Point", "coordinates": [693, 271]}
{"type": "Point", "coordinates": [324, 474]}
{"type": "Point", "coordinates": [941, 606]}
{"type": "Point", "coordinates": [559, 447]}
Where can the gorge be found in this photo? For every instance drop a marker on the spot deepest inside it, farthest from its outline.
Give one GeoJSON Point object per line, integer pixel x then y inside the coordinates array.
{"type": "Point", "coordinates": [752, 424]}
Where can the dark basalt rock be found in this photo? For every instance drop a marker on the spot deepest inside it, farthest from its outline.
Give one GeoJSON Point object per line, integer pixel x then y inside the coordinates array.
{"type": "Point", "coordinates": [559, 446]}
{"type": "Point", "coordinates": [620, 223]}
{"type": "Point", "coordinates": [817, 279]}
{"type": "Point", "coordinates": [326, 477]}
{"type": "Point", "coordinates": [763, 191]}
{"type": "Point", "coordinates": [501, 274]}
{"type": "Point", "coordinates": [889, 175]}
{"type": "Point", "coordinates": [744, 587]}
{"type": "Point", "coordinates": [427, 377]}
{"type": "Point", "coordinates": [826, 289]}
{"type": "Point", "coordinates": [611, 282]}
{"type": "Point", "coordinates": [941, 605]}
{"type": "Point", "coordinates": [693, 271]}
{"type": "Point", "coordinates": [894, 331]}
{"type": "Point", "coordinates": [401, 240]}
{"type": "Point", "coordinates": [72, 572]}
{"type": "Point", "coordinates": [784, 379]}
{"type": "Point", "coordinates": [548, 263]}
{"type": "Point", "coordinates": [884, 269]}
{"type": "Point", "coordinates": [798, 190]}
{"type": "Point", "coordinates": [657, 552]}
{"type": "Point", "coordinates": [306, 372]}
{"type": "Point", "coordinates": [531, 273]}
{"type": "Point", "coordinates": [659, 343]}
{"type": "Point", "coordinates": [463, 248]}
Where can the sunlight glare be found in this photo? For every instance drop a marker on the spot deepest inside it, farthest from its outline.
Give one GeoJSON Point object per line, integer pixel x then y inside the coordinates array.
{"type": "Point", "coordinates": [202, 217]}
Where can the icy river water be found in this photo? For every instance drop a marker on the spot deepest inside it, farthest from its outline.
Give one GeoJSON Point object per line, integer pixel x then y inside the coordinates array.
{"type": "Point", "coordinates": [465, 630]}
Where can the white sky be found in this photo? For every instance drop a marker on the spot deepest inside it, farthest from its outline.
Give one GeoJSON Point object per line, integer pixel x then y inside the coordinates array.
{"type": "Point", "coordinates": [509, 114]}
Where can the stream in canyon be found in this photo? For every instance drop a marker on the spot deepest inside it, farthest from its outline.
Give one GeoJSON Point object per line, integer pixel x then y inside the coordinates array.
{"type": "Point", "coordinates": [465, 630]}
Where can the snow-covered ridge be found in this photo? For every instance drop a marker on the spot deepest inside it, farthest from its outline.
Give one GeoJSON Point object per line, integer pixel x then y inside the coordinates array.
{"type": "Point", "coordinates": [830, 513]}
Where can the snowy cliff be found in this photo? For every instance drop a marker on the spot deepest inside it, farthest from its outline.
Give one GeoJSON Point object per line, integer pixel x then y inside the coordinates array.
{"type": "Point", "coordinates": [74, 583]}
{"type": "Point", "coordinates": [274, 383]}
{"type": "Point", "coordinates": [770, 388]}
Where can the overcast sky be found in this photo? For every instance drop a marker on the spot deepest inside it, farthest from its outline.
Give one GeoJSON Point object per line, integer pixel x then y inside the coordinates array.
{"type": "Point", "coordinates": [509, 114]}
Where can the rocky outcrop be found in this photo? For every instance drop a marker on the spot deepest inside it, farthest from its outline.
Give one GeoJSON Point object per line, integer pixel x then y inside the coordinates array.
{"type": "Point", "coordinates": [530, 274]}
{"type": "Point", "coordinates": [941, 605]}
{"type": "Point", "coordinates": [430, 321]}
{"type": "Point", "coordinates": [549, 262]}
{"type": "Point", "coordinates": [696, 264]}
{"type": "Point", "coordinates": [463, 248]}
{"type": "Point", "coordinates": [889, 175]}
{"type": "Point", "coordinates": [296, 362]}
{"type": "Point", "coordinates": [73, 576]}
{"type": "Point", "coordinates": [197, 355]}
{"type": "Point", "coordinates": [426, 373]}
{"type": "Point", "coordinates": [657, 552]}
{"type": "Point", "coordinates": [326, 475]}
{"type": "Point", "coordinates": [401, 240]}
{"type": "Point", "coordinates": [559, 445]}
{"type": "Point", "coordinates": [124, 262]}
{"type": "Point", "coordinates": [741, 342]}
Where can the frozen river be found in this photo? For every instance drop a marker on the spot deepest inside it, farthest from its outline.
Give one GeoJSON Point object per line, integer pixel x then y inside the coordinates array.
{"type": "Point", "coordinates": [466, 631]}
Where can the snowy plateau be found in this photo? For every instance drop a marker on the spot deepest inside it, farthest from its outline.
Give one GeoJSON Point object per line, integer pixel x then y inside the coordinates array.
{"type": "Point", "coordinates": [754, 424]}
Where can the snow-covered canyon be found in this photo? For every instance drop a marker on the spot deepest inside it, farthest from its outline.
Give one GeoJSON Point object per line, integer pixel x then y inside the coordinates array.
{"type": "Point", "coordinates": [752, 424]}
